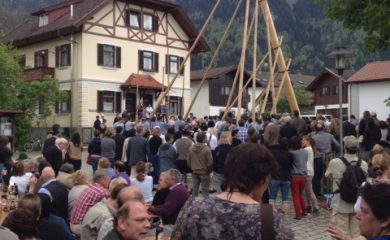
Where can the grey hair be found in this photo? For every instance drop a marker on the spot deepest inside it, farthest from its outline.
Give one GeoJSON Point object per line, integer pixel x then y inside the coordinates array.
{"type": "Point", "coordinates": [61, 140]}
{"type": "Point", "coordinates": [99, 174]}
{"type": "Point", "coordinates": [67, 168]}
{"type": "Point", "coordinates": [173, 174]}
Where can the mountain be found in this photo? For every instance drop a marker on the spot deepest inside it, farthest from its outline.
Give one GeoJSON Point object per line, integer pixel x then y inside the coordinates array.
{"type": "Point", "coordinates": [307, 36]}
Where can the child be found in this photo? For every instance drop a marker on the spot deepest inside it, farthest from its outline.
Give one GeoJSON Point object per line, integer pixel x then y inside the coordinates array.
{"type": "Point", "coordinates": [143, 182]}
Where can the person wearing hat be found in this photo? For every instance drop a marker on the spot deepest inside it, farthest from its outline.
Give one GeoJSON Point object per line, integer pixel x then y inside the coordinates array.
{"type": "Point", "coordinates": [343, 216]}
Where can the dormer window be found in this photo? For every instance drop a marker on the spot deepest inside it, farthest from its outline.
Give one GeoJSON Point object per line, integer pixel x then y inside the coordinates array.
{"type": "Point", "coordinates": [43, 20]}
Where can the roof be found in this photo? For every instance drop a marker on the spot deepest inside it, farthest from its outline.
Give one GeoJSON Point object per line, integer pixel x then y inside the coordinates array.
{"type": "Point", "coordinates": [296, 79]}
{"type": "Point", "coordinates": [29, 32]}
{"type": "Point", "coordinates": [215, 73]}
{"type": "Point", "coordinates": [142, 81]}
{"type": "Point", "coordinates": [325, 73]}
{"type": "Point", "coordinates": [372, 72]}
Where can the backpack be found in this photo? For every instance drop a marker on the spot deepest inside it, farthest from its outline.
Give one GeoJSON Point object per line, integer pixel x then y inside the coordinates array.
{"type": "Point", "coordinates": [353, 177]}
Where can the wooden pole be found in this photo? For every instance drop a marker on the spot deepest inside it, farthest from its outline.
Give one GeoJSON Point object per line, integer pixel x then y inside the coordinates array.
{"type": "Point", "coordinates": [290, 95]}
{"type": "Point", "coordinates": [253, 107]}
{"type": "Point", "coordinates": [247, 83]}
{"type": "Point", "coordinates": [162, 95]}
{"type": "Point", "coordinates": [216, 53]}
{"type": "Point", "coordinates": [137, 104]}
{"type": "Point", "coordinates": [242, 64]}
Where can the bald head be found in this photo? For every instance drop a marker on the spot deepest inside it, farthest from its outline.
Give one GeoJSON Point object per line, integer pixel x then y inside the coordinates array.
{"type": "Point", "coordinates": [48, 174]}
{"type": "Point", "coordinates": [129, 193]}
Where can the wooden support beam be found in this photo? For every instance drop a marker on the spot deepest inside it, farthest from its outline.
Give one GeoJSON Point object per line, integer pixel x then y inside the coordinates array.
{"type": "Point", "coordinates": [253, 107]}
{"type": "Point", "coordinates": [163, 94]}
{"type": "Point", "coordinates": [216, 53]}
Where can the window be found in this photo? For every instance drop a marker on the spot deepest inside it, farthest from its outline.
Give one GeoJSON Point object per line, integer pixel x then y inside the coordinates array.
{"type": "Point", "coordinates": [22, 61]}
{"type": "Point", "coordinates": [109, 101]}
{"type": "Point", "coordinates": [173, 64]}
{"type": "Point", "coordinates": [147, 22]}
{"type": "Point", "coordinates": [326, 91]}
{"type": "Point", "coordinates": [225, 90]}
{"type": "Point", "coordinates": [148, 61]}
{"type": "Point", "coordinates": [134, 19]}
{"type": "Point", "coordinates": [65, 106]}
{"type": "Point", "coordinates": [175, 105]}
{"type": "Point", "coordinates": [138, 20]}
{"type": "Point", "coordinates": [41, 58]}
{"type": "Point", "coordinates": [63, 55]}
{"type": "Point", "coordinates": [43, 20]}
{"type": "Point", "coordinates": [109, 56]}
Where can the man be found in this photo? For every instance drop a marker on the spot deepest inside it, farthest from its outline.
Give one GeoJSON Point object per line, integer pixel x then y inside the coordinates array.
{"type": "Point", "coordinates": [176, 198]}
{"type": "Point", "coordinates": [200, 161]}
{"type": "Point", "coordinates": [242, 131]}
{"type": "Point", "coordinates": [6, 234]}
{"type": "Point", "coordinates": [271, 131]}
{"type": "Point", "coordinates": [298, 123]}
{"type": "Point", "coordinates": [119, 140]}
{"type": "Point", "coordinates": [182, 146]}
{"type": "Point", "coordinates": [57, 192]}
{"type": "Point", "coordinates": [51, 137]}
{"type": "Point", "coordinates": [97, 125]}
{"type": "Point", "coordinates": [47, 229]}
{"type": "Point", "coordinates": [343, 216]}
{"type": "Point", "coordinates": [53, 154]}
{"type": "Point", "coordinates": [137, 149]}
{"type": "Point", "coordinates": [88, 198]}
{"type": "Point", "coordinates": [211, 140]}
{"type": "Point", "coordinates": [348, 128]}
{"type": "Point", "coordinates": [100, 212]}
{"type": "Point", "coordinates": [131, 222]}
{"type": "Point", "coordinates": [125, 194]}
{"type": "Point", "coordinates": [286, 129]}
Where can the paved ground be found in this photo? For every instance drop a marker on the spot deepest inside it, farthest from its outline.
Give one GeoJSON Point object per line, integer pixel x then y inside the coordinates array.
{"type": "Point", "coordinates": [308, 228]}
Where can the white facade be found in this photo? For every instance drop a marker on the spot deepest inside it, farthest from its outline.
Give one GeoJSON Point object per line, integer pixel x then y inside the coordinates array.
{"type": "Point", "coordinates": [369, 96]}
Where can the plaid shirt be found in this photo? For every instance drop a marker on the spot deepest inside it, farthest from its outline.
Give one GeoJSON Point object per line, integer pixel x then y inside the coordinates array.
{"type": "Point", "coordinates": [242, 134]}
{"type": "Point", "coordinates": [88, 198]}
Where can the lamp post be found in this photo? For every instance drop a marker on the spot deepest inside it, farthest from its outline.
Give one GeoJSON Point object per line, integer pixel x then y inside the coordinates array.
{"type": "Point", "coordinates": [340, 54]}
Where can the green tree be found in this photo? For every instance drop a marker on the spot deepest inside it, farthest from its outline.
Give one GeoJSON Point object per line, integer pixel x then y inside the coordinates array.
{"type": "Point", "coordinates": [302, 96]}
{"type": "Point", "coordinates": [373, 17]}
{"type": "Point", "coordinates": [25, 96]}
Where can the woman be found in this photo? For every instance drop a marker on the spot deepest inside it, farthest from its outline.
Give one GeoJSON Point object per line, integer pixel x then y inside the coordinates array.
{"type": "Point", "coordinates": [20, 178]}
{"type": "Point", "coordinates": [220, 154]}
{"type": "Point", "coordinates": [108, 146]}
{"type": "Point", "coordinates": [281, 179]}
{"type": "Point", "coordinates": [80, 182]}
{"type": "Point", "coordinates": [5, 159]}
{"type": "Point", "coordinates": [312, 203]}
{"type": "Point", "coordinates": [95, 150]}
{"type": "Point", "coordinates": [298, 177]}
{"type": "Point", "coordinates": [143, 182]}
{"type": "Point", "coordinates": [371, 135]}
{"type": "Point", "coordinates": [105, 164]}
{"type": "Point", "coordinates": [236, 212]}
{"type": "Point", "coordinates": [374, 215]}
{"type": "Point", "coordinates": [75, 148]}
{"type": "Point", "coordinates": [155, 142]}
{"type": "Point", "coordinates": [334, 128]}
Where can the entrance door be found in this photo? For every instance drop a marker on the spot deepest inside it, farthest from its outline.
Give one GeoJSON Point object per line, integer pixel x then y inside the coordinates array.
{"type": "Point", "coordinates": [147, 99]}
{"type": "Point", "coordinates": [131, 103]}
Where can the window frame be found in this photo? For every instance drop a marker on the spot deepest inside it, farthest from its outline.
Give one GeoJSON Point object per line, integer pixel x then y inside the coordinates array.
{"type": "Point", "coordinates": [43, 20]}
{"type": "Point", "coordinates": [115, 99]}
{"type": "Point", "coordinates": [41, 58]}
{"type": "Point", "coordinates": [63, 55]}
{"type": "Point", "coordinates": [179, 61]}
{"type": "Point", "coordinates": [141, 18]}
{"type": "Point", "coordinates": [153, 58]}
{"type": "Point", "coordinates": [116, 55]}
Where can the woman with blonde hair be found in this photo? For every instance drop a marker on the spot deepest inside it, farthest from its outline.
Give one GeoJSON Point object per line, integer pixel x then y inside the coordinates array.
{"type": "Point", "coordinates": [220, 154]}
{"type": "Point", "coordinates": [80, 182]}
{"type": "Point", "coordinates": [334, 128]}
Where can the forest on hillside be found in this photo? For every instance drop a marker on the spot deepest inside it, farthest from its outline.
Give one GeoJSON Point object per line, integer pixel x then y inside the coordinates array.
{"type": "Point", "coordinates": [308, 37]}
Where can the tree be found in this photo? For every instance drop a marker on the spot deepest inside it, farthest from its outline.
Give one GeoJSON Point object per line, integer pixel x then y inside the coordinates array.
{"type": "Point", "coordinates": [302, 97]}
{"type": "Point", "coordinates": [387, 101]}
{"type": "Point", "coordinates": [373, 17]}
{"type": "Point", "coordinates": [17, 94]}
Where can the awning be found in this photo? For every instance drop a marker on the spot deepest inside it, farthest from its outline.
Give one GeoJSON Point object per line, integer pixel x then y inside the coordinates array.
{"type": "Point", "coordinates": [143, 82]}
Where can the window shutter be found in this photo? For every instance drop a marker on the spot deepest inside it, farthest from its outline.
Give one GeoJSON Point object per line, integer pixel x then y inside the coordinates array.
{"type": "Point", "coordinates": [100, 101]}
{"type": "Point", "coordinates": [100, 54]}
{"type": "Point", "coordinates": [46, 58]}
{"type": "Point", "coordinates": [167, 65]}
{"type": "Point", "coordinates": [118, 57]}
{"type": "Point", "coordinates": [127, 18]}
{"type": "Point", "coordinates": [155, 62]}
{"type": "Point", "coordinates": [140, 60]}
{"type": "Point", "coordinates": [56, 107]}
{"type": "Point", "coordinates": [57, 56]}
{"type": "Point", "coordinates": [68, 50]}
{"type": "Point", "coordinates": [181, 60]}
{"type": "Point", "coordinates": [69, 101]}
{"type": "Point", "coordinates": [36, 59]}
{"type": "Point", "coordinates": [118, 102]}
{"type": "Point", "coordinates": [155, 23]}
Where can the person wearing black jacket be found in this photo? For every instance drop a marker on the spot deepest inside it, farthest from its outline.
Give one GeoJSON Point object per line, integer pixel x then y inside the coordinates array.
{"type": "Point", "coordinates": [282, 178]}
{"type": "Point", "coordinates": [53, 154]}
{"type": "Point", "coordinates": [219, 156]}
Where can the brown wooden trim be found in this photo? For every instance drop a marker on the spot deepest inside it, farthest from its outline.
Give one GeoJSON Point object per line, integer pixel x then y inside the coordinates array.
{"type": "Point", "coordinates": [164, 28]}
{"type": "Point", "coordinates": [122, 38]}
{"type": "Point", "coordinates": [174, 31]}
{"type": "Point", "coordinates": [100, 19]}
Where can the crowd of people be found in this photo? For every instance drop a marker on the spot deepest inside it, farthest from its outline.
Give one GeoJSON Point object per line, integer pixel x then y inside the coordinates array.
{"type": "Point", "coordinates": [155, 169]}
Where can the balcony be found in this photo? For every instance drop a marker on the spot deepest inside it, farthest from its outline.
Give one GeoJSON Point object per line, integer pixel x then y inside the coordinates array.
{"type": "Point", "coordinates": [37, 73]}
